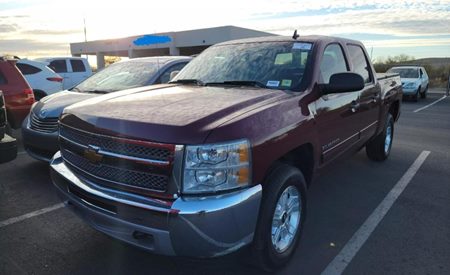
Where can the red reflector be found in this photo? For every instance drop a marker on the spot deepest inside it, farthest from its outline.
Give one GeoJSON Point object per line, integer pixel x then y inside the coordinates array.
{"type": "Point", "coordinates": [30, 96]}
{"type": "Point", "coordinates": [56, 79]}
{"type": "Point", "coordinates": [28, 92]}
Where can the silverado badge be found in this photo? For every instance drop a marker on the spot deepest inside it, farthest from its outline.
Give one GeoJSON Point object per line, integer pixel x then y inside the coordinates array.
{"type": "Point", "coordinates": [91, 154]}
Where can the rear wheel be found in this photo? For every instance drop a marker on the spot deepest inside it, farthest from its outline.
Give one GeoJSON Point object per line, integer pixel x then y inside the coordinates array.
{"type": "Point", "coordinates": [281, 217]}
{"type": "Point", "coordinates": [379, 148]}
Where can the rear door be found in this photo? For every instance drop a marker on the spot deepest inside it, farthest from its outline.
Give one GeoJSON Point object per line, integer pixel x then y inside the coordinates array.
{"type": "Point", "coordinates": [369, 98]}
{"type": "Point", "coordinates": [79, 72]}
{"type": "Point", "coordinates": [423, 78]}
{"type": "Point", "coordinates": [336, 120]}
{"type": "Point", "coordinates": [31, 74]}
{"type": "Point", "coordinates": [60, 67]}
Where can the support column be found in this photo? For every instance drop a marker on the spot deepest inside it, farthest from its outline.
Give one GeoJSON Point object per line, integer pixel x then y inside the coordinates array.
{"type": "Point", "coordinates": [174, 50]}
{"type": "Point", "coordinates": [131, 53]}
{"type": "Point", "coordinates": [100, 60]}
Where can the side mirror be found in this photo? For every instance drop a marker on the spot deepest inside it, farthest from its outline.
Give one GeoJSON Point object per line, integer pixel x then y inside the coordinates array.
{"type": "Point", "coordinates": [173, 74]}
{"type": "Point", "coordinates": [343, 83]}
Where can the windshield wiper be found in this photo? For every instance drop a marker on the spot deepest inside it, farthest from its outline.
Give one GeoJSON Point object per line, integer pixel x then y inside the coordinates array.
{"type": "Point", "coordinates": [189, 81]}
{"type": "Point", "coordinates": [75, 89]}
{"type": "Point", "coordinates": [239, 83]}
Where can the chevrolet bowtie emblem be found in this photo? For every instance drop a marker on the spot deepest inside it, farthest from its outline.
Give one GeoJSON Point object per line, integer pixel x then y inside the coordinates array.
{"type": "Point", "coordinates": [91, 154]}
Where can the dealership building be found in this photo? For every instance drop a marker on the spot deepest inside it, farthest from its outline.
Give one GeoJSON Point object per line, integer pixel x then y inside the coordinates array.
{"type": "Point", "coordinates": [170, 43]}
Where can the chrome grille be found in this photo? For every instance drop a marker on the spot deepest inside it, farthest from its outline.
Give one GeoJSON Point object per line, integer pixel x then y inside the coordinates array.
{"type": "Point", "coordinates": [124, 164]}
{"type": "Point", "coordinates": [112, 145]}
{"type": "Point", "coordinates": [46, 125]}
{"type": "Point", "coordinates": [114, 175]}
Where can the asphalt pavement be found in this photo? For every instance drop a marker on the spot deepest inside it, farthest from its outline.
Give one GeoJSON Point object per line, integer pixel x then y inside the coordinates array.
{"type": "Point", "coordinates": [358, 218]}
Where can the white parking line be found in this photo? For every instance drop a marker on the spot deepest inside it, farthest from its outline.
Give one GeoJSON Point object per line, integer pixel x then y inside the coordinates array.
{"type": "Point", "coordinates": [345, 256]}
{"type": "Point", "coordinates": [21, 152]}
{"type": "Point", "coordinates": [30, 215]}
{"type": "Point", "coordinates": [431, 104]}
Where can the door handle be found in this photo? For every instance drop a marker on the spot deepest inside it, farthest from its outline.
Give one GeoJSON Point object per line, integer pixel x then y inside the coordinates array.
{"type": "Point", "coordinates": [354, 106]}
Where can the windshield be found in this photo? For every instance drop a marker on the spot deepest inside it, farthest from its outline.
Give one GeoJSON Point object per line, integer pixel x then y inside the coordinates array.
{"type": "Point", "coordinates": [405, 72]}
{"type": "Point", "coordinates": [277, 65]}
{"type": "Point", "coordinates": [119, 76]}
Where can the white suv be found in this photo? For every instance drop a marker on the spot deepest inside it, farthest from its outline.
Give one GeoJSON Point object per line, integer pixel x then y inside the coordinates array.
{"type": "Point", "coordinates": [414, 80]}
{"type": "Point", "coordinates": [72, 69]}
{"type": "Point", "coordinates": [43, 80]}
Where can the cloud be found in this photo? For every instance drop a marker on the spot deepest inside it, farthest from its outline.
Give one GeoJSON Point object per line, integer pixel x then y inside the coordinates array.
{"type": "Point", "coordinates": [51, 32]}
{"type": "Point", "coordinates": [8, 28]}
{"type": "Point", "coordinates": [28, 47]}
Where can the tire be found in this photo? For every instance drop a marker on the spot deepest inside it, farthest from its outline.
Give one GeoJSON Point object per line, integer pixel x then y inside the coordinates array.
{"type": "Point", "coordinates": [288, 182]}
{"type": "Point", "coordinates": [379, 148]}
{"type": "Point", "coordinates": [38, 94]}
{"type": "Point", "coordinates": [424, 93]}
{"type": "Point", "coordinates": [416, 95]}
{"type": "Point", "coordinates": [8, 129]}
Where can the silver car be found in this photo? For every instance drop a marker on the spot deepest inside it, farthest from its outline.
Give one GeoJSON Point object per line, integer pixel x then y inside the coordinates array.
{"type": "Point", "coordinates": [40, 128]}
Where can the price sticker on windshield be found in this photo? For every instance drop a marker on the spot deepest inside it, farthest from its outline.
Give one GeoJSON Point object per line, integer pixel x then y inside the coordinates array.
{"type": "Point", "coordinates": [302, 46]}
{"type": "Point", "coordinates": [273, 83]}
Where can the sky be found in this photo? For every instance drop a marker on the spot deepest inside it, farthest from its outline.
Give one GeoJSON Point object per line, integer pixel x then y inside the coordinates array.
{"type": "Point", "coordinates": [386, 27]}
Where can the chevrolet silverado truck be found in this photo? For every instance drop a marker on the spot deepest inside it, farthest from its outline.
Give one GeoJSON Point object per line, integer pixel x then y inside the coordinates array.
{"type": "Point", "coordinates": [8, 145]}
{"type": "Point", "coordinates": [221, 157]}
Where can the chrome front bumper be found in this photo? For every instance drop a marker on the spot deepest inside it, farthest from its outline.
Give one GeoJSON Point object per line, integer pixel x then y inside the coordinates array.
{"type": "Point", "coordinates": [39, 145]}
{"type": "Point", "coordinates": [192, 226]}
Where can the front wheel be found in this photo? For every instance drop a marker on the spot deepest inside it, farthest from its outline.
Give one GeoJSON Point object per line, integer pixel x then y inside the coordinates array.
{"type": "Point", "coordinates": [424, 93]}
{"type": "Point", "coordinates": [379, 148]}
{"type": "Point", "coordinates": [282, 213]}
{"type": "Point", "coordinates": [416, 95]}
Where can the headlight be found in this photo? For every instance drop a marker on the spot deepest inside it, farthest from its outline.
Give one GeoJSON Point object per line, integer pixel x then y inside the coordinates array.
{"type": "Point", "coordinates": [34, 105]}
{"type": "Point", "coordinates": [216, 167]}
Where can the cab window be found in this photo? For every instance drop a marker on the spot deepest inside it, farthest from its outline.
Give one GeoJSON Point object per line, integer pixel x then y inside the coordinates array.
{"type": "Point", "coordinates": [333, 61]}
{"type": "Point", "coordinates": [359, 61]}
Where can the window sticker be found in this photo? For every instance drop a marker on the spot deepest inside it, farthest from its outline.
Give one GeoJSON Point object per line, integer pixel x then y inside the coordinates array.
{"type": "Point", "coordinates": [283, 58]}
{"type": "Point", "coordinates": [273, 83]}
{"type": "Point", "coordinates": [302, 46]}
{"type": "Point", "coordinates": [286, 83]}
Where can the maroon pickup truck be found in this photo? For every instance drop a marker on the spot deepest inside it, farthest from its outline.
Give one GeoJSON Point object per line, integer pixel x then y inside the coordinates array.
{"type": "Point", "coordinates": [222, 156]}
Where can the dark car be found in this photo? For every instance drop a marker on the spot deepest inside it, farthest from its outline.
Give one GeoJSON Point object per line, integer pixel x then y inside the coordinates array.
{"type": "Point", "coordinates": [8, 145]}
{"type": "Point", "coordinates": [40, 128]}
{"type": "Point", "coordinates": [221, 157]}
{"type": "Point", "coordinates": [18, 94]}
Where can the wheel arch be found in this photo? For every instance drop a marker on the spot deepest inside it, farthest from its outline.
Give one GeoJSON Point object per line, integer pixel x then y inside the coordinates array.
{"type": "Point", "coordinates": [301, 157]}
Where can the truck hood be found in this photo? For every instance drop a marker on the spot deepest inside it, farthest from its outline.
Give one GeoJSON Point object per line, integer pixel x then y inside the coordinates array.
{"type": "Point", "coordinates": [53, 105]}
{"type": "Point", "coordinates": [177, 114]}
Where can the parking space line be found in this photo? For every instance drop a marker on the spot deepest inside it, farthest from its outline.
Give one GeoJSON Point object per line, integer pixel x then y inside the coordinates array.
{"type": "Point", "coordinates": [31, 215]}
{"type": "Point", "coordinates": [345, 256]}
{"type": "Point", "coordinates": [429, 105]}
{"type": "Point", "coordinates": [21, 152]}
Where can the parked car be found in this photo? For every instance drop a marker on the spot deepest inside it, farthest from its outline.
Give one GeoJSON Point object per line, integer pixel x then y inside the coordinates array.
{"type": "Point", "coordinates": [414, 80]}
{"type": "Point", "coordinates": [8, 145]}
{"type": "Point", "coordinates": [72, 69]}
{"type": "Point", "coordinates": [18, 94]}
{"type": "Point", "coordinates": [43, 80]}
{"type": "Point", "coordinates": [40, 128]}
{"type": "Point", "coordinates": [221, 157]}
